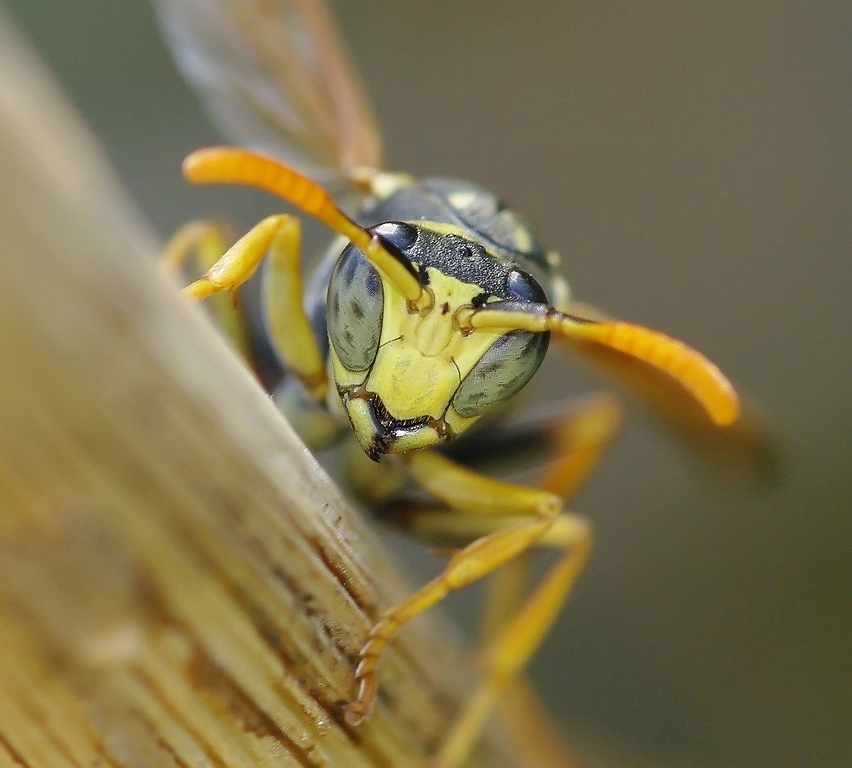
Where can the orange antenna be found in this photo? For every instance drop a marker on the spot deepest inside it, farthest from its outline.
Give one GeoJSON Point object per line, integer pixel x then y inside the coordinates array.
{"type": "Point", "coordinates": [701, 378]}
{"type": "Point", "coordinates": [230, 165]}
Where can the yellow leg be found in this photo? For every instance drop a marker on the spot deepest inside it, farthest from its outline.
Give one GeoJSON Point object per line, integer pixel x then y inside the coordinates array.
{"type": "Point", "coordinates": [239, 262]}
{"type": "Point", "coordinates": [534, 513]}
{"type": "Point", "coordinates": [289, 328]}
{"type": "Point", "coordinates": [581, 436]}
{"type": "Point", "coordinates": [525, 722]}
{"type": "Point", "coordinates": [204, 242]}
{"type": "Point", "coordinates": [202, 239]}
{"type": "Point", "coordinates": [513, 645]}
{"type": "Point", "coordinates": [513, 633]}
{"type": "Point", "coordinates": [577, 438]}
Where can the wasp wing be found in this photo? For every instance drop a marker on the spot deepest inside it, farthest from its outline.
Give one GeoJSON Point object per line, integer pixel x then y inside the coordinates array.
{"type": "Point", "coordinates": [751, 443]}
{"type": "Point", "coordinates": [275, 76]}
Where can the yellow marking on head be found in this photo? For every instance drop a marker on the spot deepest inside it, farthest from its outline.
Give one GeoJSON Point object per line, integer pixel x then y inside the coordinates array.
{"type": "Point", "coordinates": [418, 374]}
{"type": "Point", "coordinates": [420, 363]}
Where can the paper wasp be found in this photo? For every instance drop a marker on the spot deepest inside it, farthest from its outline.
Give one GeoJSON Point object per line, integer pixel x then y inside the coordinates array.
{"type": "Point", "coordinates": [430, 312]}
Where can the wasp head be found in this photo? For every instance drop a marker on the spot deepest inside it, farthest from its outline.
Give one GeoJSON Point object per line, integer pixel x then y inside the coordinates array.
{"type": "Point", "coordinates": [413, 376]}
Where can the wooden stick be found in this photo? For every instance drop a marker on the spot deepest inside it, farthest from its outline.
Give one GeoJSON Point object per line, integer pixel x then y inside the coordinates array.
{"type": "Point", "coordinates": [180, 583]}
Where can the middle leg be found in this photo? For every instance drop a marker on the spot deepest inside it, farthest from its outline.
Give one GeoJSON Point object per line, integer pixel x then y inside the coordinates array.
{"type": "Point", "coordinates": [528, 515]}
{"type": "Point", "coordinates": [515, 626]}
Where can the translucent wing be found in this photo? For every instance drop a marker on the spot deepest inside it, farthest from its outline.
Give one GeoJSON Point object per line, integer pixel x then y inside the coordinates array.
{"type": "Point", "coordinates": [274, 75]}
{"type": "Point", "coordinates": [751, 443]}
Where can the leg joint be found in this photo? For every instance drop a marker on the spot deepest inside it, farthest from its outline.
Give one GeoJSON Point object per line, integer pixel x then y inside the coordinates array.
{"type": "Point", "coordinates": [548, 506]}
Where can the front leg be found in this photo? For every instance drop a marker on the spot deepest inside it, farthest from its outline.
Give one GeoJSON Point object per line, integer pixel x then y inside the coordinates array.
{"type": "Point", "coordinates": [289, 328]}
{"type": "Point", "coordinates": [200, 244]}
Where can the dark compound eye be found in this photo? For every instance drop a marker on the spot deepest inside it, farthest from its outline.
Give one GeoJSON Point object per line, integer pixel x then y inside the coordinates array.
{"type": "Point", "coordinates": [524, 287]}
{"type": "Point", "coordinates": [398, 233]}
{"type": "Point", "coordinates": [354, 313]}
{"type": "Point", "coordinates": [501, 372]}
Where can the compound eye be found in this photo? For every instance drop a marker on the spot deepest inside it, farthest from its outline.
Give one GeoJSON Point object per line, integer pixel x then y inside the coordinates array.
{"type": "Point", "coordinates": [504, 369]}
{"type": "Point", "coordinates": [354, 314]}
{"type": "Point", "coordinates": [524, 287]}
{"type": "Point", "coordinates": [397, 233]}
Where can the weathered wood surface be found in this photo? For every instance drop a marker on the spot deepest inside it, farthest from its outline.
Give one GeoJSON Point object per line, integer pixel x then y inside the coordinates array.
{"type": "Point", "coordinates": [180, 584]}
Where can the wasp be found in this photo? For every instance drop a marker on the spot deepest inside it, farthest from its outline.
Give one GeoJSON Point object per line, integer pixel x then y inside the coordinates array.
{"type": "Point", "coordinates": [428, 315]}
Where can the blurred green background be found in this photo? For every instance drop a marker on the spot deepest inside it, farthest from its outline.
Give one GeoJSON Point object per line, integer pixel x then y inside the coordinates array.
{"type": "Point", "coordinates": [691, 163]}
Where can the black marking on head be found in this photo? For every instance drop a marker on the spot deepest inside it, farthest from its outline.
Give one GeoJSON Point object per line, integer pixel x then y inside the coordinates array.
{"type": "Point", "coordinates": [471, 207]}
{"type": "Point", "coordinates": [522, 286]}
{"type": "Point", "coordinates": [402, 234]}
{"type": "Point", "coordinates": [399, 256]}
{"type": "Point", "coordinates": [480, 300]}
{"type": "Point", "coordinates": [472, 263]}
{"type": "Point", "coordinates": [424, 275]}
{"type": "Point", "coordinates": [387, 428]}
{"type": "Point", "coordinates": [390, 341]}
{"type": "Point", "coordinates": [397, 238]}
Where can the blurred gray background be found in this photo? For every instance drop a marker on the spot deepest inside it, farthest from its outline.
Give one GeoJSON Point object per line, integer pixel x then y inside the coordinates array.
{"type": "Point", "coordinates": [691, 163]}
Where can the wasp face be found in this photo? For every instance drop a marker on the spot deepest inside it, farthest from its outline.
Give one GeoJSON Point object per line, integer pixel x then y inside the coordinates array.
{"type": "Point", "coordinates": [409, 379]}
